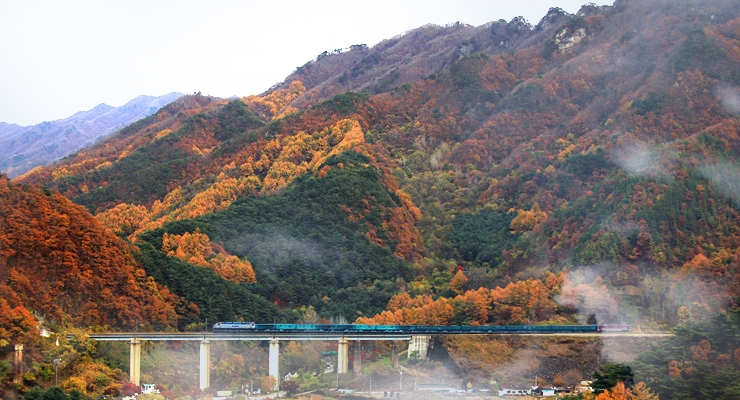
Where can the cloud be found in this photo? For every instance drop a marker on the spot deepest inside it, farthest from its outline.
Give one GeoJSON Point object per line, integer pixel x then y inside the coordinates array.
{"type": "Point", "coordinates": [637, 158]}
{"type": "Point", "coordinates": [585, 291]}
{"type": "Point", "coordinates": [730, 98]}
{"type": "Point", "coordinates": [725, 178]}
{"type": "Point", "coordinates": [278, 250]}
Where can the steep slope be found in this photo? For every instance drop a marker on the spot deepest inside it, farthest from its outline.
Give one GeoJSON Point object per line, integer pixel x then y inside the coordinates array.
{"type": "Point", "coordinates": [25, 147]}
{"type": "Point", "coordinates": [606, 159]}
{"type": "Point", "coordinates": [597, 140]}
{"type": "Point", "coordinates": [329, 240]}
{"type": "Point", "coordinates": [417, 54]}
{"type": "Point", "coordinates": [58, 262]}
{"type": "Point", "coordinates": [238, 161]}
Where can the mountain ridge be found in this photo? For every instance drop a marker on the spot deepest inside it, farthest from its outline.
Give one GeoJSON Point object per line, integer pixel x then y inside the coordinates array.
{"type": "Point", "coordinates": [401, 60]}
{"type": "Point", "coordinates": [25, 147]}
{"type": "Point", "coordinates": [584, 107]}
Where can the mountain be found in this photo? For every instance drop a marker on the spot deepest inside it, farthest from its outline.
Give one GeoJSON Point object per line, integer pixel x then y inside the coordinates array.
{"type": "Point", "coordinates": [582, 170]}
{"type": "Point", "coordinates": [423, 52]}
{"type": "Point", "coordinates": [599, 140]}
{"type": "Point", "coordinates": [26, 147]}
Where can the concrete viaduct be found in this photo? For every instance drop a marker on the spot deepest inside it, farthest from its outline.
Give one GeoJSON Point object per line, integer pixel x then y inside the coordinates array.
{"type": "Point", "coordinates": [417, 343]}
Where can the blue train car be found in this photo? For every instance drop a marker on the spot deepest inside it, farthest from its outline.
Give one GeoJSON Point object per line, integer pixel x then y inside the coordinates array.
{"type": "Point", "coordinates": [237, 327]}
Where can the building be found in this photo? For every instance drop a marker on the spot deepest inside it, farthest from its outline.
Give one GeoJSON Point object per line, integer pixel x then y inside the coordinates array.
{"type": "Point", "coordinates": [147, 388]}
{"type": "Point", "coordinates": [515, 390]}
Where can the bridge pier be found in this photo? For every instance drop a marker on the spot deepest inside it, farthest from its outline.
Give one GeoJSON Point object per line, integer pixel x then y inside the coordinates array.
{"type": "Point", "coordinates": [18, 364]}
{"type": "Point", "coordinates": [394, 355]}
{"type": "Point", "coordinates": [343, 356]}
{"type": "Point", "coordinates": [357, 364]}
{"type": "Point", "coordinates": [420, 345]}
{"type": "Point", "coordinates": [134, 368]}
{"type": "Point", "coordinates": [274, 370]}
{"type": "Point", "coordinates": [205, 364]}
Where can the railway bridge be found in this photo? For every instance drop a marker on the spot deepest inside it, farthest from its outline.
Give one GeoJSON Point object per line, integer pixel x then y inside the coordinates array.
{"type": "Point", "coordinates": [417, 336]}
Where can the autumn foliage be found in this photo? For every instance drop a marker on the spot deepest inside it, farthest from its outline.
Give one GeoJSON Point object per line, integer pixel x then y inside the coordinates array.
{"type": "Point", "coordinates": [579, 171]}
{"type": "Point", "coordinates": [519, 303]}
{"type": "Point", "coordinates": [196, 249]}
{"type": "Point", "coordinates": [639, 392]}
{"type": "Point", "coordinates": [60, 263]}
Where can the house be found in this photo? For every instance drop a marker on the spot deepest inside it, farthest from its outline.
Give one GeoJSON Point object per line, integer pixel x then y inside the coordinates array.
{"type": "Point", "coordinates": [551, 391]}
{"type": "Point", "coordinates": [543, 392]}
{"type": "Point", "coordinates": [584, 386]}
{"type": "Point", "coordinates": [434, 387]}
{"type": "Point", "coordinates": [561, 390]}
{"type": "Point", "coordinates": [148, 388]}
{"type": "Point", "coordinates": [548, 392]}
{"type": "Point", "coordinates": [514, 390]}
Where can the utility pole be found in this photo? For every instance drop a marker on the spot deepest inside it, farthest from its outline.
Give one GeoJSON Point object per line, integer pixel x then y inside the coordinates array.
{"type": "Point", "coordinates": [56, 371]}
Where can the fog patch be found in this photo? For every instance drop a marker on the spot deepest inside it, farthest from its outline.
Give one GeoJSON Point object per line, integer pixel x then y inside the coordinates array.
{"type": "Point", "coordinates": [177, 363]}
{"type": "Point", "coordinates": [638, 158]}
{"type": "Point", "coordinates": [698, 287]}
{"type": "Point", "coordinates": [729, 97]}
{"type": "Point", "coordinates": [276, 250]}
{"type": "Point", "coordinates": [278, 247]}
{"type": "Point", "coordinates": [524, 361]}
{"type": "Point", "coordinates": [725, 177]}
{"type": "Point", "coordinates": [622, 228]}
{"type": "Point", "coordinates": [585, 292]}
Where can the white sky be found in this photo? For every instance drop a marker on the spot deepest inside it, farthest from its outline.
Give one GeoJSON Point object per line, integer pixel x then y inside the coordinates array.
{"type": "Point", "coordinates": [60, 57]}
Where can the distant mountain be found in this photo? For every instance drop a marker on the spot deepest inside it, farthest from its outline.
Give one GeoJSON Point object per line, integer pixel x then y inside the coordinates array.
{"type": "Point", "coordinates": [24, 147]}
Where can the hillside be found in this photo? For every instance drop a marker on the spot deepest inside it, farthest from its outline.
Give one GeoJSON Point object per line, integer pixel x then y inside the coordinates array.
{"type": "Point", "coordinates": [580, 170]}
{"type": "Point", "coordinates": [520, 137]}
{"type": "Point", "coordinates": [58, 262]}
{"type": "Point", "coordinates": [329, 241]}
{"type": "Point", "coordinates": [26, 147]}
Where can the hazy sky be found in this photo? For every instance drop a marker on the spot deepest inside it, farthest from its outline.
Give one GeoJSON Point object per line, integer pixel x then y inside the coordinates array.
{"type": "Point", "coordinates": [60, 57]}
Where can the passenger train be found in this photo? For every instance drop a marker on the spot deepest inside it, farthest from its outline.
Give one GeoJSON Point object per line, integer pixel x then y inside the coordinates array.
{"type": "Point", "coordinates": [241, 327]}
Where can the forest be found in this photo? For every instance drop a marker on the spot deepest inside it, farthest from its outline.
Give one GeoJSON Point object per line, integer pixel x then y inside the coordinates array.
{"type": "Point", "coordinates": [581, 170]}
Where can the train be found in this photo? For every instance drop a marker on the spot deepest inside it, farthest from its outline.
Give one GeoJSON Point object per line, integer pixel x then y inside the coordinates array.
{"type": "Point", "coordinates": [242, 327]}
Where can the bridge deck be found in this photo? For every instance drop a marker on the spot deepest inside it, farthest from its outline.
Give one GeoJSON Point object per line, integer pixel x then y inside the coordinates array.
{"type": "Point", "coordinates": [247, 336]}
{"type": "Point", "coordinates": [332, 336]}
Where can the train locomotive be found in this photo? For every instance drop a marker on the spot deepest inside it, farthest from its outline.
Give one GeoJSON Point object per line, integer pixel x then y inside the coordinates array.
{"type": "Point", "coordinates": [234, 326]}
